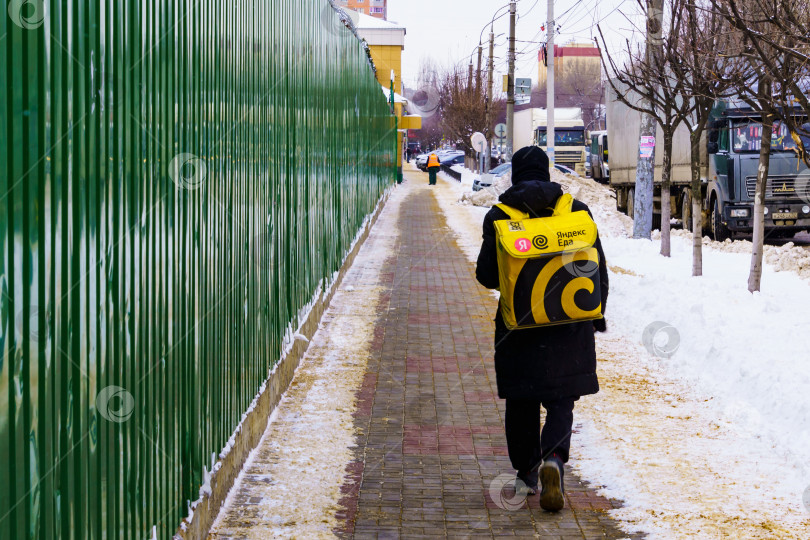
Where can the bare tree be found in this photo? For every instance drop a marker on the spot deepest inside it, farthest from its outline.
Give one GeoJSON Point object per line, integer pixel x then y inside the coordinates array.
{"type": "Point", "coordinates": [703, 77]}
{"type": "Point", "coordinates": [463, 108]}
{"type": "Point", "coordinates": [633, 80]}
{"type": "Point", "coordinates": [770, 85]}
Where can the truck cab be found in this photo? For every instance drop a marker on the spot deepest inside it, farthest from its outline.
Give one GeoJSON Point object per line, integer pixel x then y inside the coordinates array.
{"type": "Point", "coordinates": [733, 147]}
{"type": "Point", "coordinates": [569, 144]}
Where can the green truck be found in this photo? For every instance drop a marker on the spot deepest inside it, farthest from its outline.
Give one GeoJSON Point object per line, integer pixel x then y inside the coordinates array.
{"type": "Point", "coordinates": [729, 161]}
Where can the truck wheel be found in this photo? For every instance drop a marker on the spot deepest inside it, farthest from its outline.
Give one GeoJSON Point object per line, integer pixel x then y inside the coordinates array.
{"type": "Point", "coordinates": [719, 231]}
{"type": "Point", "coordinates": [631, 202]}
{"type": "Point", "coordinates": [686, 211]}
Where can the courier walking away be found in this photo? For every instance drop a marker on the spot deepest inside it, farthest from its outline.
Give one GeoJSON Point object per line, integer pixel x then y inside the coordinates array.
{"type": "Point", "coordinates": [542, 251]}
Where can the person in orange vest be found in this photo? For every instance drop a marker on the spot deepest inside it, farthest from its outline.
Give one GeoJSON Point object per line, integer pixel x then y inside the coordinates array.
{"type": "Point", "coordinates": [433, 166]}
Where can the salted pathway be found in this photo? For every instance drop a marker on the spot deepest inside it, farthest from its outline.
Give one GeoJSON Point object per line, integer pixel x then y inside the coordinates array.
{"type": "Point", "coordinates": [417, 449]}
{"type": "Point", "coordinates": [431, 454]}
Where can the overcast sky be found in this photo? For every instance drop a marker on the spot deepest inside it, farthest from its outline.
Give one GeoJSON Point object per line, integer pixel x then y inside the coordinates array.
{"type": "Point", "coordinates": [447, 31]}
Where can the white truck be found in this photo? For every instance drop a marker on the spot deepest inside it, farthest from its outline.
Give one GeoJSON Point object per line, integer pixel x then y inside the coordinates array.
{"type": "Point", "coordinates": [729, 157]}
{"type": "Point", "coordinates": [569, 134]}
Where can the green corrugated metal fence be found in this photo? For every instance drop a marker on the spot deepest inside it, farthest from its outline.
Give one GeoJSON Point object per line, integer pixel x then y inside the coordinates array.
{"type": "Point", "coordinates": [176, 179]}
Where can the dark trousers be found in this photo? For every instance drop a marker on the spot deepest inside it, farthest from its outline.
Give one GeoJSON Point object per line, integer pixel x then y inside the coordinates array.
{"type": "Point", "coordinates": [433, 171]}
{"type": "Point", "coordinates": [527, 445]}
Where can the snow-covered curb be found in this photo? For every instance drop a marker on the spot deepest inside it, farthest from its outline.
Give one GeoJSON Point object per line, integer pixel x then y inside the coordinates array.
{"type": "Point", "coordinates": [291, 484]}
{"type": "Point", "coordinates": [247, 434]}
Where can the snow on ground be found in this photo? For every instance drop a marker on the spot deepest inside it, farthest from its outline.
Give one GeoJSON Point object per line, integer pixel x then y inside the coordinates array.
{"type": "Point", "coordinates": [297, 469]}
{"type": "Point", "coordinates": [702, 426]}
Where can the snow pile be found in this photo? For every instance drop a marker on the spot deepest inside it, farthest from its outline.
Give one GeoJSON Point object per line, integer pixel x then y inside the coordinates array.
{"type": "Point", "coordinates": [731, 370]}
{"type": "Point", "coordinates": [785, 258]}
{"type": "Point", "coordinates": [487, 197]}
{"type": "Point", "coordinates": [789, 257]}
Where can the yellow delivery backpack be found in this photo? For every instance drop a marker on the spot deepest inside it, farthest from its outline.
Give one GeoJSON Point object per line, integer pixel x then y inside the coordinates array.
{"type": "Point", "coordinates": [548, 267]}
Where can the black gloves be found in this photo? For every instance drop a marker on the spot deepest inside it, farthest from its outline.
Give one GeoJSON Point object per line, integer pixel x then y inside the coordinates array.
{"type": "Point", "coordinates": [600, 325]}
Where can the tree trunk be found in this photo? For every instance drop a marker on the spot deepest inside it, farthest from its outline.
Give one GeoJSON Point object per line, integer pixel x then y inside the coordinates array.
{"type": "Point", "coordinates": [697, 210]}
{"type": "Point", "coordinates": [645, 169]}
{"type": "Point", "coordinates": [755, 277]}
{"type": "Point", "coordinates": [666, 210]}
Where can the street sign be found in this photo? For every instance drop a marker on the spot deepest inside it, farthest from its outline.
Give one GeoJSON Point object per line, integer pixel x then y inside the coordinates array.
{"type": "Point", "coordinates": [523, 87]}
{"type": "Point", "coordinates": [522, 100]}
{"type": "Point", "coordinates": [500, 131]}
{"type": "Point", "coordinates": [479, 141]}
{"type": "Point", "coordinates": [500, 142]}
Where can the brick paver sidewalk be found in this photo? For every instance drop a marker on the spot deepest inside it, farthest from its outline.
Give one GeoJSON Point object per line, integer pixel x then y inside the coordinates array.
{"type": "Point", "coordinates": [432, 446]}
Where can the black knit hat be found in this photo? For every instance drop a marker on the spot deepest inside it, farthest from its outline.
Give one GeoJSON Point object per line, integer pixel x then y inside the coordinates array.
{"type": "Point", "coordinates": [530, 163]}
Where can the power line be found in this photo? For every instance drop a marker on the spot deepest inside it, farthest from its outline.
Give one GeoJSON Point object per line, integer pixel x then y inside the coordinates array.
{"type": "Point", "coordinates": [595, 23]}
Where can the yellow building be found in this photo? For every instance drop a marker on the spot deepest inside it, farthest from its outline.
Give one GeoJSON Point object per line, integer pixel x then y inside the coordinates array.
{"type": "Point", "coordinates": [386, 41]}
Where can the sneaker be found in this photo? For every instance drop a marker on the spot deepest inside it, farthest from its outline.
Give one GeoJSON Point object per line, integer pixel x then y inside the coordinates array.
{"type": "Point", "coordinates": [551, 477]}
{"type": "Point", "coordinates": [526, 483]}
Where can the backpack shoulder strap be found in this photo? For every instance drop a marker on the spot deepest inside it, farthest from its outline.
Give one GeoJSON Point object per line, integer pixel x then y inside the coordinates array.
{"type": "Point", "coordinates": [563, 205]}
{"type": "Point", "coordinates": [513, 213]}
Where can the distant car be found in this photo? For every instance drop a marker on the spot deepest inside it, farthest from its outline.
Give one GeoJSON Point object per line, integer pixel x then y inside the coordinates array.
{"type": "Point", "coordinates": [497, 173]}
{"type": "Point", "coordinates": [566, 170]}
{"type": "Point", "coordinates": [421, 160]}
{"type": "Point", "coordinates": [452, 159]}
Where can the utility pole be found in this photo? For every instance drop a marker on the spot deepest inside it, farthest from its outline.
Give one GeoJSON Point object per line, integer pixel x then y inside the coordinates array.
{"type": "Point", "coordinates": [489, 97]}
{"type": "Point", "coordinates": [510, 88]}
{"type": "Point", "coordinates": [478, 73]}
{"type": "Point", "coordinates": [550, 85]}
{"type": "Point", "coordinates": [645, 168]}
{"type": "Point", "coordinates": [470, 77]}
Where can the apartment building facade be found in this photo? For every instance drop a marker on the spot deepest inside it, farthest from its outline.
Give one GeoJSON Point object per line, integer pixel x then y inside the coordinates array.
{"type": "Point", "coordinates": [375, 8]}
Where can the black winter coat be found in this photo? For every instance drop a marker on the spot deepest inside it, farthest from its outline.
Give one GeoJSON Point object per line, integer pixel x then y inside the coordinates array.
{"type": "Point", "coordinates": [544, 363]}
